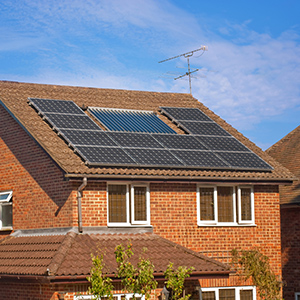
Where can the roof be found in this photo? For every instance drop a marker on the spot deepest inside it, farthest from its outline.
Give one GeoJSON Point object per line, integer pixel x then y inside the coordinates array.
{"type": "Point", "coordinates": [287, 152]}
{"type": "Point", "coordinates": [70, 254]}
{"type": "Point", "coordinates": [14, 97]}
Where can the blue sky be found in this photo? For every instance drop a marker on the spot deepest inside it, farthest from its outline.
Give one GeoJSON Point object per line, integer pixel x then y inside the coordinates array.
{"type": "Point", "coordinates": [250, 75]}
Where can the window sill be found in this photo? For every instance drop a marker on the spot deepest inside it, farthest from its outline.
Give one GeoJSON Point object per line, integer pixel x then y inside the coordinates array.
{"type": "Point", "coordinates": [6, 229]}
{"type": "Point", "coordinates": [128, 226]}
{"type": "Point", "coordinates": [227, 225]}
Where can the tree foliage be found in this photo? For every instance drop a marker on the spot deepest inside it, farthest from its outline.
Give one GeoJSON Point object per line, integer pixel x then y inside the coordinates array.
{"type": "Point", "coordinates": [256, 265]}
{"type": "Point", "coordinates": [175, 281]}
{"type": "Point", "coordinates": [101, 285]}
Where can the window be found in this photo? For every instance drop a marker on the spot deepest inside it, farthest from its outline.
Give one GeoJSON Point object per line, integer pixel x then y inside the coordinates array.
{"type": "Point", "coordinates": [115, 297]}
{"type": "Point", "coordinates": [230, 293]}
{"type": "Point", "coordinates": [128, 204]}
{"type": "Point", "coordinates": [297, 296]}
{"type": "Point", "coordinates": [225, 205]}
{"type": "Point", "coordinates": [6, 210]}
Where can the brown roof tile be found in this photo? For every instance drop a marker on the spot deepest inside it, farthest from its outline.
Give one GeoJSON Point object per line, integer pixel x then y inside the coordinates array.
{"type": "Point", "coordinates": [287, 152]}
{"type": "Point", "coordinates": [70, 255]}
{"type": "Point", "coordinates": [14, 97]}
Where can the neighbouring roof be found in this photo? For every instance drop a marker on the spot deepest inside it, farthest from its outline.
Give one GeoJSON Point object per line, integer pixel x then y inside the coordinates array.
{"type": "Point", "coordinates": [14, 97]}
{"type": "Point", "coordinates": [287, 152]}
{"type": "Point", "coordinates": [69, 255]}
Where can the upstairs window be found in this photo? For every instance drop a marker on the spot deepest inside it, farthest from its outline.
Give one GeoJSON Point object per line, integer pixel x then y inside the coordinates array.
{"type": "Point", "coordinates": [128, 204]}
{"type": "Point", "coordinates": [5, 210]}
{"type": "Point", "coordinates": [232, 293]}
{"type": "Point", "coordinates": [225, 205]}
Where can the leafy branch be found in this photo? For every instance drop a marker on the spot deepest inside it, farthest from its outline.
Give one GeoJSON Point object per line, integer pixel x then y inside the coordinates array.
{"type": "Point", "coordinates": [253, 264]}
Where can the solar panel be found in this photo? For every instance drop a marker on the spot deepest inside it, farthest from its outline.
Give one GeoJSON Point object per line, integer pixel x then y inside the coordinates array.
{"type": "Point", "coordinates": [60, 121]}
{"type": "Point", "coordinates": [87, 137]}
{"type": "Point", "coordinates": [208, 145]}
{"type": "Point", "coordinates": [135, 140]}
{"type": "Point", "coordinates": [105, 155]}
{"type": "Point", "coordinates": [153, 157]}
{"type": "Point", "coordinates": [185, 114]}
{"type": "Point", "coordinates": [130, 120]}
{"type": "Point", "coordinates": [204, 128]}
{"type": "Point", "coordinates": [200, 159]}
{"type": "Point", "coordinates": [56, 106]}
{"type": "Point", "coordinates": [242, 160]}
{"type": "Point", "coordinates": [222, 143]}
{"type": "Point", "coordinates": [179, 141]}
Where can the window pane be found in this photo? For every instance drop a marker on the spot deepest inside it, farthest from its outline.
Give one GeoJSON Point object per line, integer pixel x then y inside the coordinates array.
{"type": "Point", "coordinates": [225, 204]}
{"type": "Point", "coordinates": [117, 203]}
{"type": "Point", "coordinates": [246, 204]}
{"type": "Point", "coordinates": [207, 204]}
{"type": "Point", "coordinates": [208, 296]}
{"type": "Point", "coordinates": [140, 207]}
{"type": "Point", "coordinates": [7, 215]}
{"type": "Point", "coordinates": [4, 196]}
{"type": "Point", "coordinates": [246, 295]}
{"type": "Point", "coordinates": [227, 294]}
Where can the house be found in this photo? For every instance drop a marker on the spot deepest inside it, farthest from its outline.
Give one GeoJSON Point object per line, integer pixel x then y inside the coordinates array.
{"type": "Point", "coordinates": [287, 152]}
{"type": "Point", "coordinates": [85, 169]}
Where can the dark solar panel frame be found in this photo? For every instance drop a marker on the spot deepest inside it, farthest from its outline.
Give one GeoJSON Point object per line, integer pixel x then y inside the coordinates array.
{"type": "Point", "coordinates": [203, 128]}
{"type": "Point", "coordinates": [179, 141]}
{"type": "Point", "coordinates": [56, 106]}
{"type": "Point", "coordinates": [105, 156]}
{"type": "Point", "coordinates": [220, 143]}
{"type": "Point", "coordinates": [130, 120]}
{"type": "Point", "coordinates": [87, 138]}
{"type": "Point", "coordinates": [134, 140]}
{"type": "Point", "coordinates": [66, 121]}
{"type": "Point", "coordinates": [207, 159]}
{"type": "Point", "coordinates": [185, 114]}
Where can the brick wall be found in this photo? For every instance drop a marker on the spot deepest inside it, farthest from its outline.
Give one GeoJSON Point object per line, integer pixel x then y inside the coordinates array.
{"type": "Point", "coordinates": [290, 226]}
{"type": "Point", "coordinates": [41, 198]}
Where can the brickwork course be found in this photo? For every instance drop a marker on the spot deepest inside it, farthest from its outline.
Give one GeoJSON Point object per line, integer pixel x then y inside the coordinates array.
{"type": "Point", "coordinates": [287, 152]}
{"type": "Point", "coordinates": [45, 174]}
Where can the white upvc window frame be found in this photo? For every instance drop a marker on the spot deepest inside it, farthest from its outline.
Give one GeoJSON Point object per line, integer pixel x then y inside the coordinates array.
{"type": "Point", "coordinates": [236, 205]}
{"type": "Point", "coordinates": [147, 221]}
{"type": "Point", "coordinates": [91, 297]}
{"type": "Point", "coordinates": [236, 288]}
{"type": "Point", "coordinates": [297, 296]}
{"type": "Point", "coordinates": [240, 221]}
{"type": "Point", "coordinates": [130, 206]}
{"type": "Point", "coordinates": [2, 203]}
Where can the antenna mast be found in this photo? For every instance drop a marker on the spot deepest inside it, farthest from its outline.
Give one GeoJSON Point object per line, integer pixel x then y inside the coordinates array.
{"type": "Point", "coordinates": [187, 55]}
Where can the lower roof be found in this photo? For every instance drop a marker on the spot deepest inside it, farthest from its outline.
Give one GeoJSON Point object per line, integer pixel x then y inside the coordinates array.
{"type": "Point", "coordinates": [67, 255]}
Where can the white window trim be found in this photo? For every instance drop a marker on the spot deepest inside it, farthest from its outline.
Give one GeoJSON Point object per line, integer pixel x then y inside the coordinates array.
{"type": "Point", "coordinates": [128, 223]}
{"type": "Point", "coordinates": [90, 297]}
{"type": "Point", "coordinates": [297, 295]}
{"type": "Point", "coordinates": [147, 222]}
{"type": "Point", "coordinates": [252, 221]}
{"type": "Point", "coordinates": [9, 195]}
{"type": "Point", "coordinates": [235, 221]}
{"type": "Point", "coordinates": [236, 288]}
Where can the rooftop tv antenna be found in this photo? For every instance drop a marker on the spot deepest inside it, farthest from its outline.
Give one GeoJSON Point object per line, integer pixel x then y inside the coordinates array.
{"type": "Point", "coordinates": [187, 55]}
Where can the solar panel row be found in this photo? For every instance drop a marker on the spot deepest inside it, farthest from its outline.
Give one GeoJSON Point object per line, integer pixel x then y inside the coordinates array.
{"type": "Point", "coordinates": [98, 147]}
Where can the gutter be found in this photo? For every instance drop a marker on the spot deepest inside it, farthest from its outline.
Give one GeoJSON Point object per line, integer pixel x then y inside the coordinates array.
{"type": "Point", "coordinates": [180, 179]}
{"type": "Point", "coordinates": [79, 197]}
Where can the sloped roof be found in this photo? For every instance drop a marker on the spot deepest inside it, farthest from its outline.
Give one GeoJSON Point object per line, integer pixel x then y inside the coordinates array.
{"type": "Point", "coordinates": [70, 254]}
{"type": "Point", "coordinates": [14, 97]}
{"type": "Point", "coordinates": [287, 152]}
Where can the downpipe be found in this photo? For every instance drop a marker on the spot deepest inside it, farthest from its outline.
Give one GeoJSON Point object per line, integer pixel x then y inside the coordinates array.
{"type": "Point", "coordinates": [79, 197]}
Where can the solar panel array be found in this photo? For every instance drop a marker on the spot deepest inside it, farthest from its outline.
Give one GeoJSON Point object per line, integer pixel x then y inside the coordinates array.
{"type": "Point", "coordinates": [119, 148]}
{"type": "Point", "coordinates": [129, 120]}
{"type": "Point", "coordinates": [215, 138]}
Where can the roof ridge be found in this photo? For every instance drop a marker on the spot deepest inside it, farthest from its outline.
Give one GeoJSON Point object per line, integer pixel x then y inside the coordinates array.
{"type": "Point", "coordinates": [62, 252]}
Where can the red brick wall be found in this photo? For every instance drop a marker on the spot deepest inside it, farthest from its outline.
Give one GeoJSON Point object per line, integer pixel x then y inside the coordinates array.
{"type": "Point", "coordinates": [290, 228]}
{"type": "Point", "coordinates": [41, 198]}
